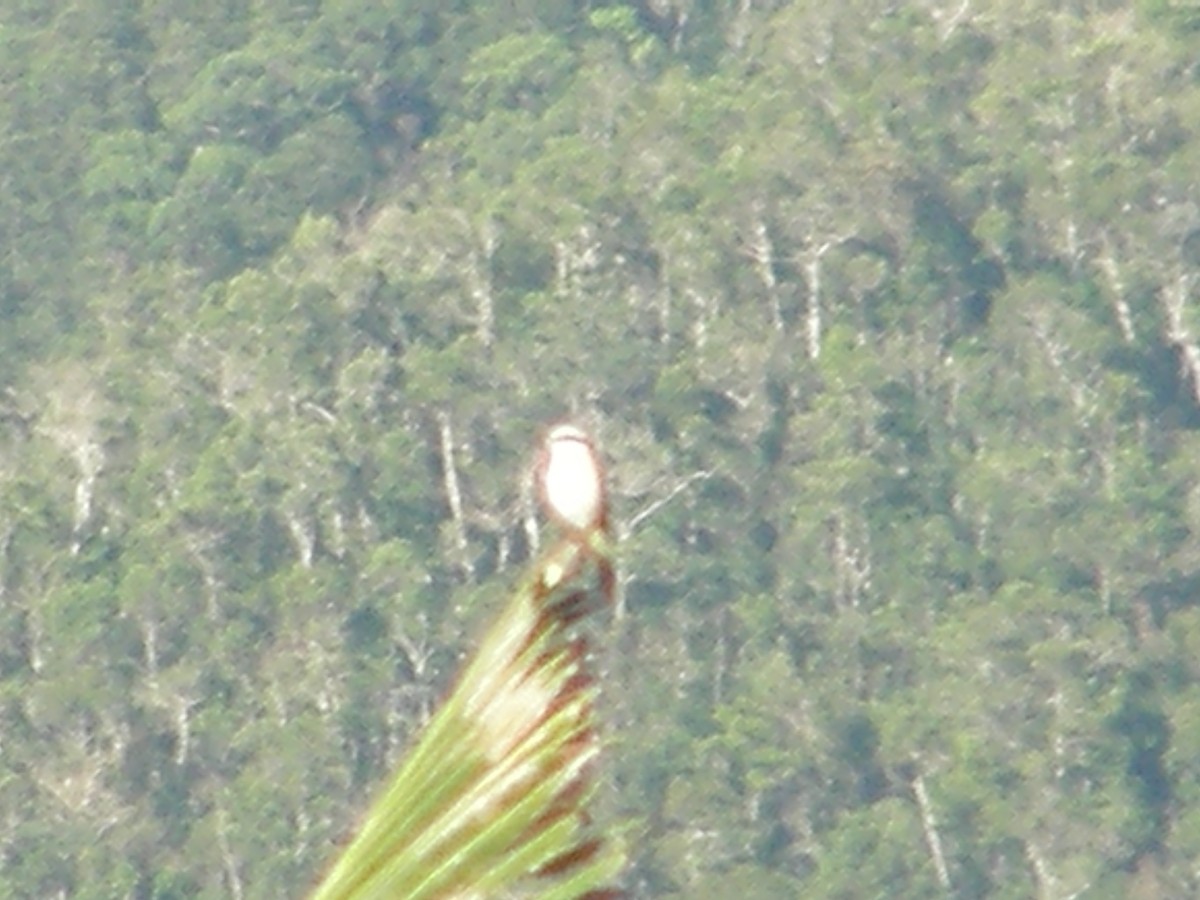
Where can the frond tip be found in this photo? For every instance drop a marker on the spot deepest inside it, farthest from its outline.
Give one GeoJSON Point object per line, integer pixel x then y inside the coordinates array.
{"type": "Point", "coordinates": [492, 800]}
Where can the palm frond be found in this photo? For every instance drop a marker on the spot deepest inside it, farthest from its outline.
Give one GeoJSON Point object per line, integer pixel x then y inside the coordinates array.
{"type": "Point", "coordinates": [492, 801]}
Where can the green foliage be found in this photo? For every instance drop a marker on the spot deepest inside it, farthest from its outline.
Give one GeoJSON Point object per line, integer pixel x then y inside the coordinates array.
{"type": "Point", "coordinates": [885, 318]}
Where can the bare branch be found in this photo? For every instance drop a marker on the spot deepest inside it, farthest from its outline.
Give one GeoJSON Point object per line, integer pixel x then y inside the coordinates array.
{"type": "Point", "coordinates": [654, 507]}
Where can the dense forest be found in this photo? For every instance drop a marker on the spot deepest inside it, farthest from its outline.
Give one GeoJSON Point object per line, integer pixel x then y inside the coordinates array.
{"type": "Point", "coordinates": [886, 315]}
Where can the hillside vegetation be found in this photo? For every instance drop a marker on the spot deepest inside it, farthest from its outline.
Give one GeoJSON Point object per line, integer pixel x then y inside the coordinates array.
{"type": "Point", "coordinates": [887, 316]}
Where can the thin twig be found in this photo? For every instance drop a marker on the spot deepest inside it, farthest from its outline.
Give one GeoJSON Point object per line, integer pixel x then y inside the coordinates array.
{"type": "Point", "coordinates": [660, 503]}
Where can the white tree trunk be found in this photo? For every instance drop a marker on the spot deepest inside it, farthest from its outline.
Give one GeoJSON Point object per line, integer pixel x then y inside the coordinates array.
{"type": "Point", "coordinates": [304, 536]}
{"type": "Point", "coordinates": [196, 546]}
{"type": "Point", "coordinates": [90, 458]}
{"type": "Point", "coordinates": [813, 325]}
{"type": "Point", "coordinates": [763, 254]}
{"type": "Point", "coordinates": [1121, 311]}
{"type": "Point", "coordinates": [1056, 354]}
{"type": "Point", "coordinates": [228, 860]}
{"type": "Point", "coordinates": [664, 314]}
{"type": "Point", "coordinates": [1042, 877]}
{"type": "Point", "coordinates": [704, 313]}
{"type": "Point", "coordinates": [1175, 299]}
{"type": "Point", "coordinates": [454, 494]}
{"type": "Point", "coordinates": [932, 838]}
{"type": "Point", "coordinates": [183, 728]}
{"type": "Point", "coordinates": [851, 562]}
{"type": "Point", "coordinates": [150, 640]}
{"type": "Point", "coordinates": [480, 276]}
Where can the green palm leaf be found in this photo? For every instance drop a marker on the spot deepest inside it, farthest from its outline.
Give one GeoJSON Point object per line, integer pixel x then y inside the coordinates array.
{"type": "Point", "coordinates": [492, 800]}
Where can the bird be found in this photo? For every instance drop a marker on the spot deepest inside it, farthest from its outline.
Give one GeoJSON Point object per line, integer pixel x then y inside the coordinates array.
{"type": "Point", "coordinates": [570, 480]}
{"type": "Point", "coordinates": [570, 483]}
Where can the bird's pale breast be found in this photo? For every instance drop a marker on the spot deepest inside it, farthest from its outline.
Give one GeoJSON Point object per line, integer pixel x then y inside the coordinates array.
{"type": "Point", "coordinates": [572, 483]}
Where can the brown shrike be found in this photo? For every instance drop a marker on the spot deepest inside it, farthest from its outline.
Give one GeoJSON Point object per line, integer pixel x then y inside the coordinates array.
{"type": "Point", "coordinates": [569, 479]}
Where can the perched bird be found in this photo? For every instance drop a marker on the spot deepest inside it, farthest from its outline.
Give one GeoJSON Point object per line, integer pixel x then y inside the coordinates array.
{"type": "Point", "coordinates": [569, 479]}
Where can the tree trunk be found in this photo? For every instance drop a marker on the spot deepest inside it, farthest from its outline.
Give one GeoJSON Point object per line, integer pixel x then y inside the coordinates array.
{"type": "Point", "coordinates": [932, 839]}
{"type": "Point", "coordinates": [813, 325]}
{"type": "Point", "coordinates": [232, 878]}
{"type": "Point", "coordinates": [304, 537]}
{"type": "Point", "coordinates": [1042, 878]}
{"type": "Point", "coordinates": [1121, 311]}
{"type": "Point", "coordinates": [1175, 301]}
{"type": "Point", "coordinates": [90, 458]}
{"type": "Point", "coordinates": [480, 276]}
{"type": "Point", "coordinates": [454, 494]}
{"type": "Point", "coordinates": [763, 254]}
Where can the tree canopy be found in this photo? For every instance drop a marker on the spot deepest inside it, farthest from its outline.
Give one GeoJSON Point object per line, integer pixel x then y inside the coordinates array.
{"type": "Point", "coordinates": [882, 314]}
